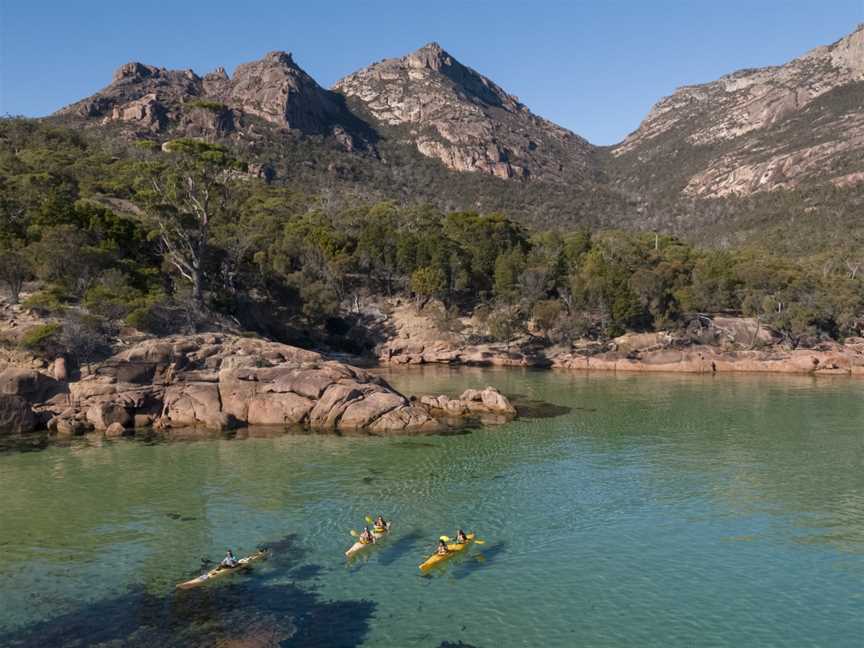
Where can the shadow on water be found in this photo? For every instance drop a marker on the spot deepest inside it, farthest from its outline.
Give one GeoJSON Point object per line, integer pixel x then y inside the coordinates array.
{"type": "Point", "coordinates": [535, 409]}
{"type": "Point", "coordinates": [180, 518]}
{"type": "Point", "coordinates": [253, 610]}
{"type": "Point", "coordinates": [306, 572]}
{"type": "Point", "coordinates": [414, 445]}
{"type": "Point", "coordinates": [404, 545]}
{"type": "Point", "coordinates": [24, 443]}
{"type": "Point", "coordinates": [455, 644]}
{"type": "Point", "coordinates": [482, 559]}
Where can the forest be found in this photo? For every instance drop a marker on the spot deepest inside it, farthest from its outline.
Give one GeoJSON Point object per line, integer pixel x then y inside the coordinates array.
{"type": "Point", "coordinates": [167, 238]}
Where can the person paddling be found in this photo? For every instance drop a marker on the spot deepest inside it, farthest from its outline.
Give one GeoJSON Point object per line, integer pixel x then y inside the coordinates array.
{"type": "Point", "coordinates": [366, 537]}
{"type": "Point", "coordinates": [442, 548]}
{"type": "Point", "coordinates": [380, 524]}
{"type": "Point", "coordinates": [229, 561]}
{"type": "Point", "coordinates": [461, 538]}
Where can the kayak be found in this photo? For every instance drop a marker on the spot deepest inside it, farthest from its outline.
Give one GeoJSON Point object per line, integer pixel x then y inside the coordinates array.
{"type": "Point", "coordinates": [358, 546]}
{"type": "Point", "coordinates": [453, 549]}
{"type": "Point", "coordinates": [243, 563]}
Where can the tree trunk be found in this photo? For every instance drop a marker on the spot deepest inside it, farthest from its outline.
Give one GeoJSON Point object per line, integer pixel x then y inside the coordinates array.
{"type": "Point", "coordinates": [197, 288]}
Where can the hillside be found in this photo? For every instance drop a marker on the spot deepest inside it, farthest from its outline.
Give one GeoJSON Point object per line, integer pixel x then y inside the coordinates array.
{"type": "Point", "coordinates": [765, 155]}
{"type": "Point", "coordinates": [754, 130]}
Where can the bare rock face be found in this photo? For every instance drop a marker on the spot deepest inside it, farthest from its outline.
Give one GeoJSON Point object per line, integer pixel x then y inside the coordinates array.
{"type": "Point", "coordinates": [277, 90]}
{"type": "Point", "coordinates": [759, 129]}
{"type": "Point", "coordinates": [16, 415]}
{"type": "Point", "coordinates": [220, 382]}
{"type": "Point", "coordinates": [31, 385]}
{"type": "Point", "coordinates": [452, 113]}
{"type": "Point", "coordinates": [147, 100]}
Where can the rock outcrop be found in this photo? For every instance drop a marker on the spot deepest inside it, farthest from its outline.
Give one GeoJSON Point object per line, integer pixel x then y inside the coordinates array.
{"type": "Point", "coordinates": [716, 344]}
{"type": "Point", "coordinates": [452, 113]}
{"type": "Point", "coordinates": [706, 359]}
{"type": "Point", "coordinates": [406, 352]}
{"type": "Point", "coordinates": [220, 382]}
{"type": "Point", "coordinates": [147, 101]}
{"type": "Point", "coordinates": [758, 129]}
{"type": "Point", "coordinates": [472, 401]}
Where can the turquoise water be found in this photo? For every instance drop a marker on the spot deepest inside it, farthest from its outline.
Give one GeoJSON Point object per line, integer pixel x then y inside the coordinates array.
{"type": "Point", "coordinates": [636, 510]}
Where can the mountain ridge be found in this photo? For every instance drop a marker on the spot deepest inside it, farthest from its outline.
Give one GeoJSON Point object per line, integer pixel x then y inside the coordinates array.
{"type": "Point", "coordinates": [415, 124]}
{"type": "Point", "coordinates": [732, 124]}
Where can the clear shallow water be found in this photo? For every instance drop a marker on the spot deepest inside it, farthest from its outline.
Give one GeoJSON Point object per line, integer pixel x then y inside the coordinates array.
{"type": "Point", "coordinates": [657, 511]}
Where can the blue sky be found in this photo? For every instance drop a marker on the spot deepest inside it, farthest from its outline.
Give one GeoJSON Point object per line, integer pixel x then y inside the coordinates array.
{"type": "Point", "coordinates": [594, 67]}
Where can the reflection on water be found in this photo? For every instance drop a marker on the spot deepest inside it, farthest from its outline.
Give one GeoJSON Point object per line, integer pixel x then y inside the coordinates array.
{"type": "Point", "coordinates": [620, 510]}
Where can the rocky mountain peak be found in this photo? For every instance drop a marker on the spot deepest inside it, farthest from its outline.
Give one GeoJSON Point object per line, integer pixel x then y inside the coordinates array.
{"type": "Point", "coordinates": [455, 114]}
{"type": "Point", "coordinates": [219, 74]}
{"type": "Point", "coordinates": [848, 52]}
{"type": "Point", "coordinates": [431, 55]}
{"type": "Point", "coordinates": [144, 100]}
{"type": "Point", "coordinates": [134, 71]}
{"type": "Point", "coordinates": [280, 58]}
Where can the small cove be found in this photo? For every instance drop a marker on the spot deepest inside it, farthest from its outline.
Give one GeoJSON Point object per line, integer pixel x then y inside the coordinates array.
{"type": "Point", "coordinates": [643, 510]}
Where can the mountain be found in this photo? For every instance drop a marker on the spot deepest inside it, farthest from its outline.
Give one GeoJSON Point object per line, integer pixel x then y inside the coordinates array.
{"type": "Point", "coordinates": [755, 130]}
{"type": "Point", "coordinates": [426, 128]}
{"type": "Point", "coordinates": [145, 101]}
{"type": "Point", "coordinates": [458, 116]}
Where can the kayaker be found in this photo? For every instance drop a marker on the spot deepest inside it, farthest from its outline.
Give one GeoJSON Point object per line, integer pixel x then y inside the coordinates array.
{"type": "Point", "coordinates": [461, 538]}
{"type": "Point", "coordinates": [442, 548]}
{"type": "Point", "coordinates": [366, 537]}
{"type": "Point", "coordinates": [229, 561]}
{"type": "Point", "coordinates": [380, 523]}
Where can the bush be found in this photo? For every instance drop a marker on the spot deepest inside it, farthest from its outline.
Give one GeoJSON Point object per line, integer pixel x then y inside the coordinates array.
{"type": "Point", "coordinates": [46, 302]}
{"type": "Point", "coordinates": [447, 320]}
{"type": "Point", "coordinates": [41, 338]}
{"type": "Point", "coordinates": [212, 106]}
{"type": "Point", "coordinates": [505, 323]}
{"type": "Point", "coordinates": [84, 337]}
{"type": "Point", "coordinates": [112, 297]}
{"type": "Point", "coordinates": [427, 282]}
{"type": "Point", "coordinates": [546, 314]}
{"type": "Point", "coordinates": [159, 315]}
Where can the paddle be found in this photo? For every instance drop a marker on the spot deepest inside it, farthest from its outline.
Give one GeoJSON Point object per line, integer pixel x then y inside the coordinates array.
{"type": "Point", "coordinates": [357, 535]}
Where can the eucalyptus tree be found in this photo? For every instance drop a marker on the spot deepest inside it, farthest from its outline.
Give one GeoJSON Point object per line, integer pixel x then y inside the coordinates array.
{"type": "Point", "coordinates": [186, 191]}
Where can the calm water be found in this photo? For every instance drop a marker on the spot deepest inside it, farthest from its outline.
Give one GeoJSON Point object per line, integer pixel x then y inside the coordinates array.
{"type": "Point", "coordinates": [639, 511]}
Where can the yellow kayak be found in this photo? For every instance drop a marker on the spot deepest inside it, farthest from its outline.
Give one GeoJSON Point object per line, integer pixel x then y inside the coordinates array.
{"type": "Point", "coordinates": [243, 563]}
{"type": "Point", "coordinates": [377, 533]}
{"type": "Point", "coordinates": [452, 549]}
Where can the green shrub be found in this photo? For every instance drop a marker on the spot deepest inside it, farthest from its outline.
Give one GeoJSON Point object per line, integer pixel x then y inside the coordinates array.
{"type": "Point", "coordinates": [46, 302]}
{"type": "Point", "coordinates": [213, 106]}
{"type": "Point", "coordinates": [113, 298]}
{"type": "Point", "coordinates": [41, 338]}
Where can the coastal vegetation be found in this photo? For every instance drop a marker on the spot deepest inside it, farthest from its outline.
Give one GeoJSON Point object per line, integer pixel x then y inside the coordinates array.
{"type": "Point", "coordinates": [163, 238]}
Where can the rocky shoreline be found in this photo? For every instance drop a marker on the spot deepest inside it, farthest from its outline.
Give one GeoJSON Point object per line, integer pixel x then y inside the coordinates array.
{"type": "Point", "coordinates": [218, 382]}
{"type": "Point", "coordinates": [842, 360]}
{"type": "Point", "coordinates": [730, 345]}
